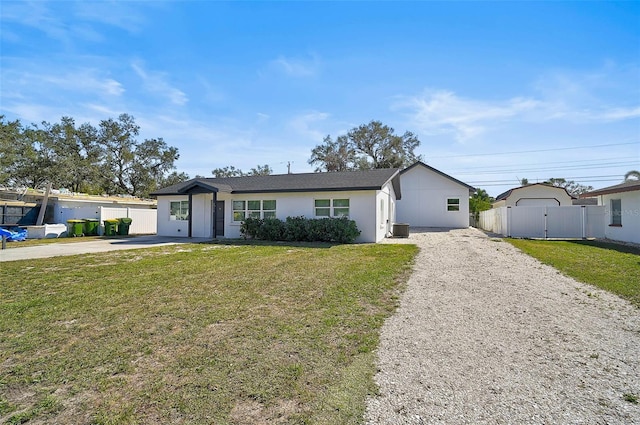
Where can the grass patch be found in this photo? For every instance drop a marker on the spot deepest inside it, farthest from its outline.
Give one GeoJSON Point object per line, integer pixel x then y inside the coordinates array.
{"type": "Point", "coordinates": [613, 267]}
{"type": "Point", "coordinates": [198, 333]}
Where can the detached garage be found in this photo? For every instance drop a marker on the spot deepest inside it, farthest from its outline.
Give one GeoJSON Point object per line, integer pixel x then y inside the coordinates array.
{"type": "Point", "coordinates": [534, 195]}
{"type": "Point", "coordinates": [431, 198]}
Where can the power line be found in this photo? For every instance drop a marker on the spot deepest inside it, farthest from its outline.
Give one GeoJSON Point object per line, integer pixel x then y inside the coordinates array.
{"type": "Point", "coordinates": [547, 169]}
{"type": "Point", "coordinates": [536, 150]}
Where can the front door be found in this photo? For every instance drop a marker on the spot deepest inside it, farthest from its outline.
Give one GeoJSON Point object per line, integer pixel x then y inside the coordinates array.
{"type": "Point", "coordinates": [219, 218]}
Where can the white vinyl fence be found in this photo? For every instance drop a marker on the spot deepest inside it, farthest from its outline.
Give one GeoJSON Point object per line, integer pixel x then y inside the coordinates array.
{"type": "Point", "coordinates": [574, 222]}
{"type": "Point", "coordinates": [144, 221]}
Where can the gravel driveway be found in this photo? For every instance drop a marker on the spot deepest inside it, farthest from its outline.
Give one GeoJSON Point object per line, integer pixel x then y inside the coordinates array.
{"type": "Point", "coordinates": [487, 335]}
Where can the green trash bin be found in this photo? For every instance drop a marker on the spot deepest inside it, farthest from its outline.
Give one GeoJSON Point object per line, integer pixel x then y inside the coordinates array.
{"type": "Point", "coordinates": [91, 226]}
{"type": "Point", "coordinates": [111, 227]}
{"type": "Point", "coordinates": [75, 227]}
{"type": "Point", "coordinates": [123, 225]}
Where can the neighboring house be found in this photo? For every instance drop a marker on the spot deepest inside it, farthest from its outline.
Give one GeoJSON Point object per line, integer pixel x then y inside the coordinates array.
{"type": "Point", "coordinates": [22, 207]}
{"type": "Point", "coordinates": [208, 207]}
{"type": "Point", "coordinates": [622, 209]}
{"type": "Point", "coordinates": [534, 195]}
{"type": "Point", "coordinates": [431, 198]}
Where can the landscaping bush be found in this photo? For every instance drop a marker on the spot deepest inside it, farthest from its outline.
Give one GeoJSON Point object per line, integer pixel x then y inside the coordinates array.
{"type": "Point", "coordinates": [301, 229]}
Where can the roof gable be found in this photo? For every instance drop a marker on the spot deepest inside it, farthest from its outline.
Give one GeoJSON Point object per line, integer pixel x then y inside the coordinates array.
{"type": "Point", "coordinates": [422, 164]}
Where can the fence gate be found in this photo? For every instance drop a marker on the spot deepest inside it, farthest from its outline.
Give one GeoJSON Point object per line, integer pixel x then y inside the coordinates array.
{"type": "Point", "coordinates": [572, 222]}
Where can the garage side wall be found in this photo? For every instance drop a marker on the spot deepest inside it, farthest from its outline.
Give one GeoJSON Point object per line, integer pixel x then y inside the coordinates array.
{"type": "Point", "coordinates": [424, 200]}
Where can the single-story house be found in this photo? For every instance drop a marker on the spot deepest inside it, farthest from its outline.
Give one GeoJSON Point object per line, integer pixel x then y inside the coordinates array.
{"type": "Point", "coordinates": [622, 210]}
{"type": "Point", "coordinates": [534, 195]}
{"type": "Point", "coordinates": [431, 198]}
{"type": "Point", "coordinates": [216, 207]}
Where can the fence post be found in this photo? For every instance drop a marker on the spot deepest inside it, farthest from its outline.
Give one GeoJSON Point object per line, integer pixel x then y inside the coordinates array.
{"type": "Point", "coordinates": [584, 221]}
{"type": "Point", "coordinates": [509, 222]}
{"type": "Point", "coordinates": [4, 242]}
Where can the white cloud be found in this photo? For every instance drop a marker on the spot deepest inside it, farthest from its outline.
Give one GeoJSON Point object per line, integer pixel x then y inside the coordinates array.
{"type": "Point", "coordinates": [566, 98]}
{"type": "Point", "coordinates": [297, 67]}
{"type": "Point", "coordinates": [156, 82]}
{"type": "Point", "coordinates": [303, 125]}
{"type": "Point", "coordinates": [436, 112]}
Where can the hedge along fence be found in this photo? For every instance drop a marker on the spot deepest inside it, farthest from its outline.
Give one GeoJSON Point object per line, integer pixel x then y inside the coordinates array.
{"type": "Point", "coordinates": [301, 229]}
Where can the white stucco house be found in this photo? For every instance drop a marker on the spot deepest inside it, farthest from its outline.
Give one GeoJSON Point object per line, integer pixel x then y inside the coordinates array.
{"type": "Point", "coordinates": [216, 207]}
{"type": "Point", "coordinates": [622, 210]}
{"type": "Point", "coordinates": [534, 195]}
{"type": "Point", "coordinates": [431, 198]}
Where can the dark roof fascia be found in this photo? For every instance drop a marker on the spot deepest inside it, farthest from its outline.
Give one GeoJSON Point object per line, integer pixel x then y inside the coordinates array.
{"type": "Point", "coordinates": [619, 188]}
{"type": "Point", "coordinates": [418, 163]}
{"type": "Point", "coordinates": [324, 189]}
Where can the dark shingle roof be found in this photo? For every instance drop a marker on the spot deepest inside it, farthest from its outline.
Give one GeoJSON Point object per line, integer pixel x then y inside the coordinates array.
{"type": "Point", "coordinates": [506, 194]}
{"type": "Point", "coordinates": [308, 182]}
{"type": "Point", "coordinates": [422, 164]}
{"type": "Point", "coordinates": [626, 186]}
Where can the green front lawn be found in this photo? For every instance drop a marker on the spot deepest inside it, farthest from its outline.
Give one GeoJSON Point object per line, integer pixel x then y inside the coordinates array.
{"type": "Point", "coordinates": [195, 334]}
{"type": "Point", "coordinates": [613, 267]}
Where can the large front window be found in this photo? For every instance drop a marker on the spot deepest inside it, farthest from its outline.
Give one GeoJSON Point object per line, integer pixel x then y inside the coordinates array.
{"type": "Point", "coordinates": [253, 209]}
{"type": "Point", "coordinates": [332, 208]}
{"type": "Point", "coordinates": [179, 210]}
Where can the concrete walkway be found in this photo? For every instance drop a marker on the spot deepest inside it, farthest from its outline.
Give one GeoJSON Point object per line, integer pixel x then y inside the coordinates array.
{"type": "Point", "coordinates": [90, 247]}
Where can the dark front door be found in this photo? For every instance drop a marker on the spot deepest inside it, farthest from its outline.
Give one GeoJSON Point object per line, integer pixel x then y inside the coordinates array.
{"type": "Point", "coordinates": [219, 218]}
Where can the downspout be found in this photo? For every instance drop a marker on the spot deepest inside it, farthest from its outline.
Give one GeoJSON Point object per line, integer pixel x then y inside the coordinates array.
{"type": "Point", "coordinates": [215, 214]}
{"type": "Point", "coordinates": [190, 213]}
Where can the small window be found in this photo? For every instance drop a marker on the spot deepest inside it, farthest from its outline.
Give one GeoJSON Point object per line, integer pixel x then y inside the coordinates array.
{"type": "Point", "coordinates": [453, 204]}
{"type": "Point", "coordinates": [616, 212]}
{"type": "Point", "coordinates": [332, 207]}
{"type": "Point", "coordinates": [239, 210]}
{"type": "Point", "coordinates": [253, 209]}
{"type": "Point", "coordinates": [179, 210]}
{"type": "Point", "coordinates": [323, 207]}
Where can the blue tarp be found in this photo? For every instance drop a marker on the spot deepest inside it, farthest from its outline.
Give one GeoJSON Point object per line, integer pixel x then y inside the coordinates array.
{"type": "Point", "coordinates": [14, 234]}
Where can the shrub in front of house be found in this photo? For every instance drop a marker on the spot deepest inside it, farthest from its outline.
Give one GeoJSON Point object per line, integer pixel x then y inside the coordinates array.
{"type": "Point", "coordinates": [301, 229]}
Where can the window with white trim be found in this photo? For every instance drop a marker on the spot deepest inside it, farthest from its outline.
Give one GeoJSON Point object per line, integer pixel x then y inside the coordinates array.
{"type": "Point", "coordinates": [331, 207]}
{"type": "Point", "coordinates": [616, 212]}
{"type": "Point", "coordinates": [179, 210]}
{"type": "Point", "coordinates": [253, 209]}
{"type": "Point", "coordinates": [453, 204]}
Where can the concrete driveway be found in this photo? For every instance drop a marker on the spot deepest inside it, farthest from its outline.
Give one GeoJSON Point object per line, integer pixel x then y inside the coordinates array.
{"type": "Point", "coordinates": [90, 247]}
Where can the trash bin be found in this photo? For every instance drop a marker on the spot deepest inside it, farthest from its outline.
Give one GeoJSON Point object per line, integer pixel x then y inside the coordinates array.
{"type": "Point", "coordinates": [75, 227]}
{"type": "Point", "coordinates": [111, 227]}
{"type": "Point", "coordinates": [123, 225]}
{"type": "Point", "coordinates": [400, 230]}
{"type": "Point", "coordinates": [91, 226]}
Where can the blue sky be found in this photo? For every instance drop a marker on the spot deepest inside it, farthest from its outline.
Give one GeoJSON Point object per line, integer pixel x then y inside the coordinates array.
{"type": "Point", "coordinates": [495, 91]}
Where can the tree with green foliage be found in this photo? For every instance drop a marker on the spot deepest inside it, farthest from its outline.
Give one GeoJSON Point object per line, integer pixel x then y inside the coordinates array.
{"type": "Point", "coordinates": [366, 147]}
{"type": "Point", "coordinates": [480, 201]}
{"type": "Point", "coordinates": [107, 159]}
{"type": "Point", "coordinates": [331, 155]}
{"type": "Point", "coordinates": [231, 171]}
{"type": "Point", "coordinates": [632, 175]}
{"type": "Point", "coordinates": [574, 189]}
